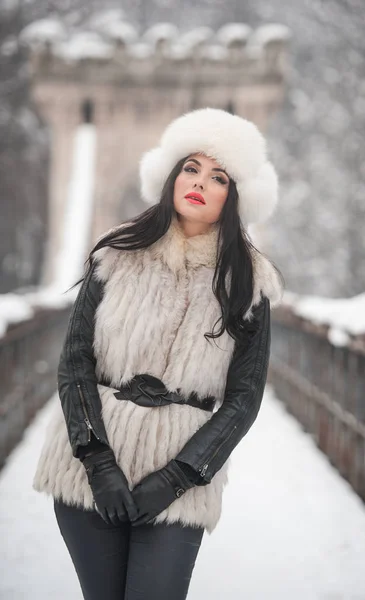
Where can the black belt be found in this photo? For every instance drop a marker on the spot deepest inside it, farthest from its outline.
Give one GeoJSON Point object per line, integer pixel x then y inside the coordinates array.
{"type": "Point", "coordinates": [147, 390]}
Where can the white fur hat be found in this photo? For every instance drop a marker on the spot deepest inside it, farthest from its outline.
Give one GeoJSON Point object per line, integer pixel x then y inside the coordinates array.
{"type": "Point", "coordinates": [235, 143]}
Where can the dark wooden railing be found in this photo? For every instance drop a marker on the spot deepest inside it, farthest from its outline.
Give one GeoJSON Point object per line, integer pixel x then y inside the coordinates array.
{"type": "Point", "coordinates": [323, 386]}
{"type": "Point", "coordinates": [29, 354]}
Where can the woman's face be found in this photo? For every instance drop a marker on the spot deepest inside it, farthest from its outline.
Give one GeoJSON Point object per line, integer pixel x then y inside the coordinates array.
{"type": "Point", "coordinates": [201, 190]}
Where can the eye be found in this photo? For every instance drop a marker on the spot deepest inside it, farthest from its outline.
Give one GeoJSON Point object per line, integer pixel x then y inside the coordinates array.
{"type": "Point", "coordinates": [221, 180]}
{"type": "Point", "coordinates": [190, 169]}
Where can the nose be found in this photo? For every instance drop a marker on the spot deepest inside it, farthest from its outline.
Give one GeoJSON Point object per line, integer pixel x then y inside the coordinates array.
{"type": "Point", "coordinates": [199, 184]}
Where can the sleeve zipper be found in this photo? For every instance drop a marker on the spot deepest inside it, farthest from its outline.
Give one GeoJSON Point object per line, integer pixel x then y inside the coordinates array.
{"type": "Point", "coordinates": [87, 420]}
{"type": "Point", "coordinates": [79, 302]}
{"type": "Point", "coordinates": [203, 469]}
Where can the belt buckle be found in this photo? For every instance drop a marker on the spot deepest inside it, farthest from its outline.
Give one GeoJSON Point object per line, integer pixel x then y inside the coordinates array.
{"type": "Point", "coordinates": [151, 394]}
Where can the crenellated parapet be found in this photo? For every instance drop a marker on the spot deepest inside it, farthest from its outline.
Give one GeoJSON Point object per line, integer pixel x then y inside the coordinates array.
{"type": "Point", "coordinates": [116, 54]}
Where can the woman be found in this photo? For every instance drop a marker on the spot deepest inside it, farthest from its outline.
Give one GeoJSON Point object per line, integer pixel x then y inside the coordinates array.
{"type": "Point", "coordinates": [135, 457]}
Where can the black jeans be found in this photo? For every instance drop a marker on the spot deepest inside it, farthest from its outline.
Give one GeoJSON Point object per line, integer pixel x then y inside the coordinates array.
{"type": "Point", "coordinates": [147, 562]}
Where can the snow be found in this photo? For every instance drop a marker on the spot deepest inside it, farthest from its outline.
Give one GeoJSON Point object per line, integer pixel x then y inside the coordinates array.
{"type": "Point", "coordinates": [34, 561]}
{"type": "Point", "coordinates": [233, 32]}
{"type": "Point", "coordinates": [214, 52]}
{"type": "Point", "coordinates": [52, 297]}
{"type": "Point", "coordinates": [13, 309]}
{"type": "Point", "coordinates": [78, 46]}
{"type": "Point", "coordinates": [83, 45]}
{"type": "Point", "coordinates": [196, 36]}
{"type": "Point", "coordinates": [291, 527]}
{"type": "Point", "coordinates": [180, 51]}
{"type": "Point", "coordinates": [161, 31]}
{"type": "Point", "coordinates": [120, 31]}
{"type": "Point", "coordinates": [337, 337]}
{"type": "Point", "coordinates": [42, 31]}
{"type": "Point", "coordinates": [9, 46]}
{"type": "Point", "coordinates": [141, 50]}
{"type": "Point", "coordinates": [69, 265]}
{"type": "Point", "coordinates": [79, 209]}
{"type": "Point", "coordinates": [342, 314]}
{"type": "Point", "coordinates": [189, 41]}
{"type": "Point", "coordinates": [272, 32]}
{"type": "Point", "coordinates": [110, 26]}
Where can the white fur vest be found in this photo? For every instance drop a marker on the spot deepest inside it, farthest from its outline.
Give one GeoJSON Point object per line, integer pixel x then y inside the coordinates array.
{"type": "Point", "coordinates": [156, 307]}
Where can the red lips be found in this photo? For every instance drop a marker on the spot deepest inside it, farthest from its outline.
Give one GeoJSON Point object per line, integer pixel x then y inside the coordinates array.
{"type": "Point", "coordinates": [195, 196]}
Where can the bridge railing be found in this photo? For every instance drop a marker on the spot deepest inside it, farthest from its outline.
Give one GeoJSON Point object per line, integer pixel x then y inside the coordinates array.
{"type": "Point", "coordinates": [323, 386]}
{"type": "Point", "coordinates": [29, 354]}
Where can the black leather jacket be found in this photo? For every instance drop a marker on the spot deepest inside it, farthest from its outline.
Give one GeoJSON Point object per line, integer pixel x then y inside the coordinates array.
{"type": "Point", "coordinates": [208, 449]}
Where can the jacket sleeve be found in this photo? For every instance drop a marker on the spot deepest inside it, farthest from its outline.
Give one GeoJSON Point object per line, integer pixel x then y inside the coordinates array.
{"type": "Point", "coordinates": [209, 448]}
{"type": "Point", "coordinates": [77, 381]}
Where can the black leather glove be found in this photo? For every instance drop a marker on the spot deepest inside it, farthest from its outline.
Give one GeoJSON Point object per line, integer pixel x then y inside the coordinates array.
{"type": "Point", "coordinates": [158, 490]}
{"type": "Point", "coordinates": [109, 487]}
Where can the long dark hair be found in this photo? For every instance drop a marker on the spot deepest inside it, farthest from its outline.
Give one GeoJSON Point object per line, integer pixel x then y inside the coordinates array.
{"type": "Point", "coordinates": [234, 250]}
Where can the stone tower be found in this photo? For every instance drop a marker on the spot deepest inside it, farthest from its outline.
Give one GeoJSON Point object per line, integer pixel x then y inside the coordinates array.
{"type": "Point", "coordinates": [131, 87]}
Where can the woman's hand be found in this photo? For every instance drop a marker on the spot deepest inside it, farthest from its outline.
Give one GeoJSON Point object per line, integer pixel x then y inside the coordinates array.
{"type": "Point", "coordinates": [109, 485]}
{"type": "Point", "coordinates": [158, 490]}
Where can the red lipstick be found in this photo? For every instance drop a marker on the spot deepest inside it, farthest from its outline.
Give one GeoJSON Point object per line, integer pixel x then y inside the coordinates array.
{"type": "Point", "coordinates": [195, 198]}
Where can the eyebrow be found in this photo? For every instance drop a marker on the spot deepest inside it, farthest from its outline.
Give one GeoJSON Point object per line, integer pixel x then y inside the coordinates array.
{"type": "Point", "coordinates": [199, 165]}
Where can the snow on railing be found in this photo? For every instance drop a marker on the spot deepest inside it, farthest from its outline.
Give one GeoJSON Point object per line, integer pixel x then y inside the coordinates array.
{"type": "Point", "coordinates": [317, 368]}
{"type": "Point", "coordinates": [17, 308]}
{"type": "Point", "coordinates": [13, 309]}
{"type": "Point", "coordinates": [344, 317]}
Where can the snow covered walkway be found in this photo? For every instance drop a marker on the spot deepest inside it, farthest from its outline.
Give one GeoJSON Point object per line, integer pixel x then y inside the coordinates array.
{"type": "Point", "coordinates": [291, 527]}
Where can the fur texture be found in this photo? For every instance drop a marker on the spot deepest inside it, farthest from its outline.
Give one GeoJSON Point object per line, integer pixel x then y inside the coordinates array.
{"type": "Point", "coordinates": [156, 307]}
{"type": "Point", "coordinates": [236, 144]}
